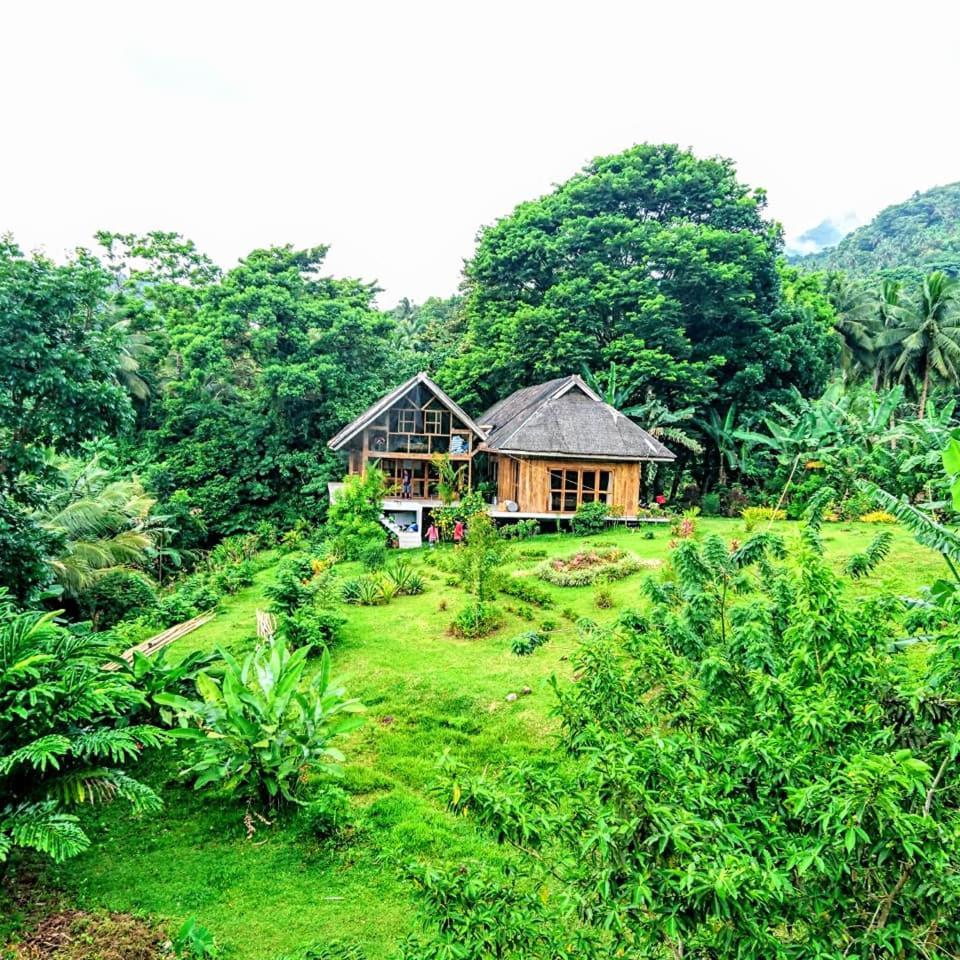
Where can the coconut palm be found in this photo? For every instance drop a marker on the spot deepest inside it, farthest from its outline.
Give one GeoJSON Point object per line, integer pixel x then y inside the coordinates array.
{"type": "Point", "coordinates": [98, 524]}
{"type": "Point", "coordinates": [925, 343]}
{"type": "Point", "coordinates": [134, 347]}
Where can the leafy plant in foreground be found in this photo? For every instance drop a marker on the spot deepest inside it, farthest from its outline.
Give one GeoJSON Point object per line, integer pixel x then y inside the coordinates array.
{"type": "Point", "coordinates": [863, 564]}
{"type": "Point", "coordinates": [265, 725]}
{"type": "Point", "coordinates": [777, 789]}
{"type": "Point", "coordinates": [62, 738]}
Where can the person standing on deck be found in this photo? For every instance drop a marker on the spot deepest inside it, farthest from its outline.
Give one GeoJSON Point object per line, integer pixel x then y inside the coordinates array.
{"type": "Point", "coordinates": [406, 481]}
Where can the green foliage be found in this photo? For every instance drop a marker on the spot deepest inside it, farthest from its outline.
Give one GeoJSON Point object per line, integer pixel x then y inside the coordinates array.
{"type": "Point", "coordinates": [294, 586]}
{"type": "Point", "coordinates": [334, 950]}
{"type": "Point", "coordinates": [373, 554]}
{"type": "Point", "coordinates": [115, 596]}
{"type": "Point", "coordinates": [353, 519]}
{"type": "Point", "coordinates": [327, 818]}
{"type": "Point", "coordinates": [258, 730]}
{"type": "Point", "coordinates": [742, 790]}
{"type": "Point", "coordinates": [406, 582]}
{"type": "Point", "coordinates": [603, 599]}
{"type": "Point", "coordinates": [194, 942]}
{"type": "Point", "coordinates": [523, 589]}
{"type": "Point", "coordinates": [310, 626]}
{"type": "Point", "coordinates": [904, 241]}
{"type": "Point", "coordinates": [367, 591]}
{"type": "Point", "coordinates": [521, 530]}
{"type": "Point", "coordinates": [64, 736]}
{"type": "Point", "coordinates": [863, 564]}
{"type": "Point", "coordinates": [476, 620]}
{"type": "Point", "coordinates": [590, 518]}
{"type": "Point", "coordinates": [524, 644]}
{"type": "Point", "coordinates": [158, 673]}
{"type": "Point", "coordinates": [653, 259]}
{"type": "Point", "coordinates": [752, 516]}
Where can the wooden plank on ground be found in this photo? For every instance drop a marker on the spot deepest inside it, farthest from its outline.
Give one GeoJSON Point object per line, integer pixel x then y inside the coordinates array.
{"type": "Point", "coordinates": [152, 645]}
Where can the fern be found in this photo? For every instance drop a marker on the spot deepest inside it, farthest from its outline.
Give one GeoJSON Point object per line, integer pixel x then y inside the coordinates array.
{"type": "Point", "coordinates": [862, 564]}
{"type": "Point", "coordinates": [41, 827]}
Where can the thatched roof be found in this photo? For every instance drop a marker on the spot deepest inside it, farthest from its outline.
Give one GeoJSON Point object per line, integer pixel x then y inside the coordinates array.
{"type": "Point", "coordinates": [565, 418]}
{"type": "Point", "coordinates": [384, 403]}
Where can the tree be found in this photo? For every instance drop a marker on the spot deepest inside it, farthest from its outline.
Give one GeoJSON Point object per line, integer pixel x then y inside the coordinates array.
{"type": "Point", "coordinates": [64, 739]}
{"type": "Point", "coordinates": [651, 252]}
{"type": "Point", "coordinates": [926, 341]}
{"type": "Point", "coordinates": [58, 360]}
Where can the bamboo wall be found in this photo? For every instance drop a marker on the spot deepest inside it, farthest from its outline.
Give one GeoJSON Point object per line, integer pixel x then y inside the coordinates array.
{"type": "Point", "coordinates": [530, 486]}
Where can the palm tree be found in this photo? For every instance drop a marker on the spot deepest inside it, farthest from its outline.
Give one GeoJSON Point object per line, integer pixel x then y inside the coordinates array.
{"type": "Point", "coordinates": [613, 388]}
{"type": "Point", "coordinates": [890, 311]}
{"type": "Point", "coordinates": [98, 523]}
{"type": "Point", "coordinates": [134, 347]}
{"type": "Point", "coordinates": [925, 343]}
{"type": "Point", "coordinates": [855, 324]}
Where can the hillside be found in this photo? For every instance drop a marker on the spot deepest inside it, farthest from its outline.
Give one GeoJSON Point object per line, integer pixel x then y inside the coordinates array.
{"type": "Point", "coordinates": [906, 239]}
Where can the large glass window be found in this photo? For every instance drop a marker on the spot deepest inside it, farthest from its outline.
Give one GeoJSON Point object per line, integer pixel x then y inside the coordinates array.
{"type": "Point", "coordinates": [571, 488]}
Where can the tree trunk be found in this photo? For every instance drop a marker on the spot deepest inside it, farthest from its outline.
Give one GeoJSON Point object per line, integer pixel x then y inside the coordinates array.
{"type": "Point", "coordinates": [926, 385]}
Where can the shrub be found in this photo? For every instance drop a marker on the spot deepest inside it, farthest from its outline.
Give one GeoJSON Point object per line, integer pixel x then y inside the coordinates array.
{"type": "Point", "coordinates": [405, 579]}
{"type": "Point", "coordinates": [603, 599]}
{"type": "Point", "coordinates": [366, 591]}
{"type": "Point", "coordinates": [521, 530]}
{"type": "Point", "coordinates": [525, 643]}
{"type": "Point", "coordinates": [590, 518]}
{"type": "Point", "coordinates": [568, 613]}
{"type": "Point", "coordinates": [114, 596]}
{"type": "Point", "coordinates": [353, 519]}
{"type": "Point", "coordinates": [327, 818]}
{"type": "Point", "coordinates": [710, 504]}
{"type": "Point", "coordinates": [308, 625]}
{"type": "Point", "coordinates": [194, 941]}
{"type": "Point", "coordinates": [265, 725]}
{"type": "Point", "coordinates": [65, 735]}
{"type": "Point", "coordinates": [234, 577]}
{"type": "Point", "coordinates": [373, 554]}
{"type": "Point", "coordinates": [548, 626]}
{"type": "Point", "coordinates": [522, 589]}
{"type": "Point", "coordinates": [754, 515]}
{"type": "Point", "coordinates": [293, 586]}
{"type": "Point", "coordinates": [474, 621]}
{"type": "Point", "coordinates": [537, 554]}
{"type": "Point", "coordinates": [685, 527]}
{"type": "Point", "coordinates": [878, 516]}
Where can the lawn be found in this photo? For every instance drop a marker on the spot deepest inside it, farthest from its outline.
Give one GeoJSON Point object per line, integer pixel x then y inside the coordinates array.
{"type": "Point", "coordinates": [427, 692]}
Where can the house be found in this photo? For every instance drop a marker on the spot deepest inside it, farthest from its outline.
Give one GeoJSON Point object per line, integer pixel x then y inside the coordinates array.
{"type": "Point", "coordinates": [546, 449]}
{"type": "Point", "coordinates": [556, 445]}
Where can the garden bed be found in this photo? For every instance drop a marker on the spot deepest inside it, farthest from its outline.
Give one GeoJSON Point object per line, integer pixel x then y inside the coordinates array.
{"type": "Point", "coordinates": [586, 567]}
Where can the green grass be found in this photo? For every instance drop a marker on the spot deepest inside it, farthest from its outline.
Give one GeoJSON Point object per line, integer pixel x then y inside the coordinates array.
{"type": "Point", "coordinates": [426, 692]}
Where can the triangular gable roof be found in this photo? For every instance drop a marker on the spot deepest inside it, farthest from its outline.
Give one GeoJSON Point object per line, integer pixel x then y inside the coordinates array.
{"type": "Point", "coordinates": [384, 403]}
{"type": "Point", "coordinates": [564, 417]}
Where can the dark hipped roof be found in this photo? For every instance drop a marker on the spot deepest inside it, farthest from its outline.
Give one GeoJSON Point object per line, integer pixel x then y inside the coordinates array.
{"type": "Point", "coordinates": [384, 403]}
{"type": "Point", "coordinates": [564, 417]}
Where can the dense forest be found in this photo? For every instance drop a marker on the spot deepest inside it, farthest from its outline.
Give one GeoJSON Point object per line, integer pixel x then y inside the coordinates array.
{"type": "Point", "coordinates": [903, 242]}
{"type": "Point", "coordinates": [751, 759]}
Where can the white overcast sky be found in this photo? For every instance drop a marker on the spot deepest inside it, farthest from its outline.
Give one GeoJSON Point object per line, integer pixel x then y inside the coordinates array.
{"type": "Point", "coordinates": [393, 131]}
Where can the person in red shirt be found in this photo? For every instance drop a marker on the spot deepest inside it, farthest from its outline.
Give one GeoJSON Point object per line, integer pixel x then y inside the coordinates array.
{"type": "Point", "coordinates": [458, 532]}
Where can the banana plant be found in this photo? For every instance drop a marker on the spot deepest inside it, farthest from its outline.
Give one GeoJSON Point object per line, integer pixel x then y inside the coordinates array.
{"type": "Point", "coordinates": [265, 725]}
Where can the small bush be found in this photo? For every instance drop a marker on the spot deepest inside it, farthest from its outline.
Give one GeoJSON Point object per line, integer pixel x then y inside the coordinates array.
{"type": "Point", "coordinates": [307, 625]}
{"type": "Point", "coordinates": [710, 504]}
{"type": "Point", "coordinates": [328, 818]}
{"type": "Point", "coordinates": [568, 613]}
{"type": "Point", "coordinates": [633, 620]}
{"type": "Point", "coordinates": [234, 577]}
{"type": "Point", "coordinates": [293, 586]}
{"type": "Point", "coordinates": [115, 596]}
{"type": "Point", "coordinates": [548, 626]}
{"type": "Point", "coordinates": [522, 589]}
{"type": "Point", "coordinates": [590, 518]}
{"type": "Point", "coordinates": [878, 516]}
{"type": "Point", "coordinates": [754, 515]}
{"type": "Point", "coordinates": [407, 581]}
{"type": "Point", "coordinates": [373, 554]}
{"type": "Point", "coordinates": [474, 621]}
{"type": "Point", "coordinates": [525, 643]}
{"type": "Point", "coordinates": [366, 591]}
{"type": "Point", "coordinates": [603, 599]}
{"type": "Point", "coordinates": [521, 530]}
{"type": "Point", "coordinates": [537, 554]}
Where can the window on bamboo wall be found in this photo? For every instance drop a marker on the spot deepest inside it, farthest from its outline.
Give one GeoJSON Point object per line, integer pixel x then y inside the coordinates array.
{"type": "Point", "coordinates": [571, 488]}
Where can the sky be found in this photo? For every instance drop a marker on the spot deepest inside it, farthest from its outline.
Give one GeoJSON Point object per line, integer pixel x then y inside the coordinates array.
{"type": "Point", "coordinates": [394, 131]}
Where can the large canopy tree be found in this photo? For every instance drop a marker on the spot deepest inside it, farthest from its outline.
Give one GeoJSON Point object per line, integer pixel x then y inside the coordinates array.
{"type": "Point", "coordinates": [653, 259]}
{"type": "Point", "coordinates": [272, 362]}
